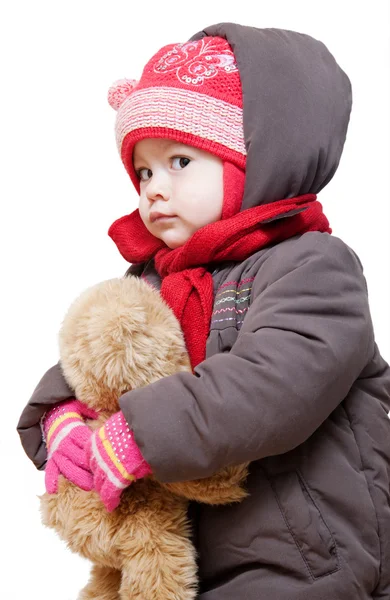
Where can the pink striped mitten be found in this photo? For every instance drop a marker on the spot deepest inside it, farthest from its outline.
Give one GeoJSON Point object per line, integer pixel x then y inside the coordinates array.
{"type": "Point", "coordinates": [66, 435]}
{"type": "Point", "coordinates": [115, 460]}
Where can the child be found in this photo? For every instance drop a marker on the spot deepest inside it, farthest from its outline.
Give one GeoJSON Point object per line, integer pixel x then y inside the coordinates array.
{"type": "Point", "coordinates": [286, 372]}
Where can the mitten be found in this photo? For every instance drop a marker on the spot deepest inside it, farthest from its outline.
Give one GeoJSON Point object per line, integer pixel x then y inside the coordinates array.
{"type": "Point", "coordinates": [115, 460]}
{"type": "Point", "coordinates": [66, 435]}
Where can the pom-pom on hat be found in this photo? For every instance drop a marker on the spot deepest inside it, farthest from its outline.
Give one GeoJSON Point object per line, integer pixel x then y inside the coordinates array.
{"type": "Point", "coordinates": [190, 93]}
{"type": "Point", "coordinates": [120, 91]}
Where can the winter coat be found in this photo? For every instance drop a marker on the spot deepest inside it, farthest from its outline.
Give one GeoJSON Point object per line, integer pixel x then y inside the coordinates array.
{"type": "Point", "coordinates": [293, 381]}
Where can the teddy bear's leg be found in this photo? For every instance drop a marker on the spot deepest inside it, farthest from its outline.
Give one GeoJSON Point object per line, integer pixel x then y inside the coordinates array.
{"type": "Point", "coordinates": [104, 584]}
{"type": "Point", "coordinates": [164, 570]}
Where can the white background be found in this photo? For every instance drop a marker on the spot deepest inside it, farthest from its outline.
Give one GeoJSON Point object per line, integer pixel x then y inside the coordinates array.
{"type": "Point", "coordinates": [62, 185]}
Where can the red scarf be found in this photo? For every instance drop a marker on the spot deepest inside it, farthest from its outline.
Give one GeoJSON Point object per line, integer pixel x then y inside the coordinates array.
{"type": "Point", "coordinates": [187, 286]}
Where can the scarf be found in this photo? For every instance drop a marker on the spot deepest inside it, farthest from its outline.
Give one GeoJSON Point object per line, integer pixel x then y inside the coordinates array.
{"type": "Point", "coordinates": [187, 285]}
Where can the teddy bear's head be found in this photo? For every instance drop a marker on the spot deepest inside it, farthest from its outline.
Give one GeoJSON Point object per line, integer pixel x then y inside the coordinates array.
{"type": "Point", "coordinates": [117, 336]}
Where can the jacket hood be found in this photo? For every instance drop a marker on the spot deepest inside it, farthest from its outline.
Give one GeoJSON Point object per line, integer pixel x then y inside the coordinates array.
{"type": "Point", "coordinates": [296, 105]}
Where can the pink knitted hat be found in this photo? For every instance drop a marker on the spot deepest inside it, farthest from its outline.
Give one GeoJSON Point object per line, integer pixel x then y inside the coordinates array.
{"type": "Point", "coordinates": [191, 93]}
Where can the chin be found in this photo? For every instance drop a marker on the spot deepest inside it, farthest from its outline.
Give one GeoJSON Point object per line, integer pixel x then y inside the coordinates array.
{"type": "Point", "coordinates": [174, 242]}
{"type": "Point", "coordinates": [173, 245]}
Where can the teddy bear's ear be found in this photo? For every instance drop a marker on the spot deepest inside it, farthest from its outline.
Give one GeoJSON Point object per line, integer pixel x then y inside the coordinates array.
{"type": "Point", "coordinates": [120, 91]}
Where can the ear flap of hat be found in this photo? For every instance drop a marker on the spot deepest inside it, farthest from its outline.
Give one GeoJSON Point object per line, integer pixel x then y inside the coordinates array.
{"type": "Point", "coordinates": [233, 189]}
{"type": "Point", "coordinates": [120, 91]}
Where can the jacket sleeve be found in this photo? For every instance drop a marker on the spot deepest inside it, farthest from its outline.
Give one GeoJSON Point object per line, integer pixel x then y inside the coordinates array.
{"type": "Point", "coordinates": [51, 389]}
{"type": "Point", "coordinates": [306, 338]}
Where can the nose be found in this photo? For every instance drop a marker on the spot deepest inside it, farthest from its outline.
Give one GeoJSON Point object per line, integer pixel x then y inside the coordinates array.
{"type": "Point", "coordinates": [158, 187]}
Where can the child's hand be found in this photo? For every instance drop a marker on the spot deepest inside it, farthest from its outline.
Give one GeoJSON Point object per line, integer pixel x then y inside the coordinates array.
{"type": "Point", "coordinates": [115, 460]}
{"type": "Point", "coordinates": [66, 436]}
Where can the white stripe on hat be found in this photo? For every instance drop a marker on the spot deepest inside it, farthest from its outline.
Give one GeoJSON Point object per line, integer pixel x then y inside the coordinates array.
{"type": "Point", "coordinates": [190, 112]}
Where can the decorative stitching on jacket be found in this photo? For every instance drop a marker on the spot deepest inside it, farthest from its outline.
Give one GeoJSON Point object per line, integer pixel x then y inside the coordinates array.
{"type": "Point", "coordinates": [233, 300]}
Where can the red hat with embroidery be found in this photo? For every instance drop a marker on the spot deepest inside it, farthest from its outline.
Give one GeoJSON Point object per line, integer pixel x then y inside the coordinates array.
{"type": "Point", "coordinates": [190, 93]}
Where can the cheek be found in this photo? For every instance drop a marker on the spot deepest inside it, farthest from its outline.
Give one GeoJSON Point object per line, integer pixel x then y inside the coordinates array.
{"type": "Point", "coordinates": [213, 184]}
{"type": "Point", "coordinates": [219, 188]}
{"type": "Point", "coordinates": [211, 196]}
{"type": "Point", "coordinates": [218, 198]}
{"type": "Point", "coordinates": [143, 211]}
{"type": "Point", "coordinates": [142, 206]}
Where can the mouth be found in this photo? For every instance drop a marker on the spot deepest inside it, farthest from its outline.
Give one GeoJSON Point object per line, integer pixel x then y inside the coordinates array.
{"type": "Point", "coordinates": [156, 216]}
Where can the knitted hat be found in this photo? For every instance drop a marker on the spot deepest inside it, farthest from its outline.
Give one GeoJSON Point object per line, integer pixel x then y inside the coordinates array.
{"type": "Point", "coordinates": [190, 93]}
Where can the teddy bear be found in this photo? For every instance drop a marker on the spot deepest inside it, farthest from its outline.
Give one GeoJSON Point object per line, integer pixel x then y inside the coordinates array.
{"type": "Point", "coordinates": [119, 335]}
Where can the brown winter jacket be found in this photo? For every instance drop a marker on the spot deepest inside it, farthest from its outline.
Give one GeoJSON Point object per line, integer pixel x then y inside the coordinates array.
{"type": "Point", "coordinates": [292, 382]}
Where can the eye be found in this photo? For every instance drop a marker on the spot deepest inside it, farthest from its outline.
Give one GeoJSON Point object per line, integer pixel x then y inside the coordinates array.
{"type": "Point", "coordinates": [179, 162]}
{"type": "Point", "coordinates": [144, 174]}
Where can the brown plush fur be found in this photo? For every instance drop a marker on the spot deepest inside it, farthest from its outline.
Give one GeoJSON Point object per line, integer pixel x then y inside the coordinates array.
{"type": "Point", "coordinates": [117, 336]}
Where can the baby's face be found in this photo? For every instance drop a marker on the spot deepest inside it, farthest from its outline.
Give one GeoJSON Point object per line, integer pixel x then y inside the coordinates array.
{"type": "Point", "coordinates": [181, 189]}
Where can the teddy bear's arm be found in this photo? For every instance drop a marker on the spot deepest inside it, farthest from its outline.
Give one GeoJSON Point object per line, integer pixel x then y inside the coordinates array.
{"type": "Point", "coordinates": [223, 487]}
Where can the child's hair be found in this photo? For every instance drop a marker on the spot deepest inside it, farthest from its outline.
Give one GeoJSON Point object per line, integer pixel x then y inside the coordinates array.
{"type": "Point", "coordinates": [190, 93]}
